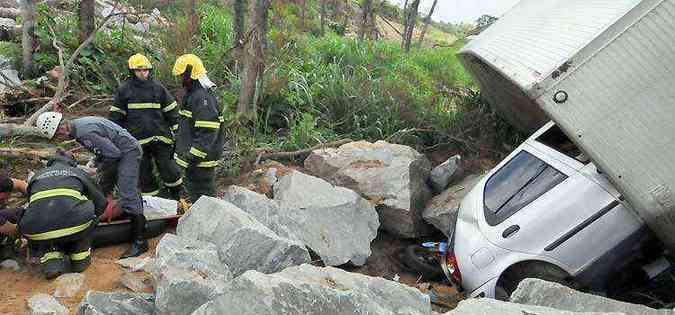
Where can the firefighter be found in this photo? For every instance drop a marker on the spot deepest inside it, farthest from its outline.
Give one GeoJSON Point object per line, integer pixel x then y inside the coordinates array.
{"type": "Point", "coordinates": [200, 137]}
{"type": "Point", "coordinates": [148, 111]}
{"type": "Point", "coordinates": [8, 216]}
{"type": "Point", "coordinates": [61, 215]}
{"type": "Point", "coordinates": [118, 157]}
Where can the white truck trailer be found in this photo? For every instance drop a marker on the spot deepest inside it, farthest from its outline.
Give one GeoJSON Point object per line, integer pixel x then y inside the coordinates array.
{"type": "Point", "coordinates": [604, 71]}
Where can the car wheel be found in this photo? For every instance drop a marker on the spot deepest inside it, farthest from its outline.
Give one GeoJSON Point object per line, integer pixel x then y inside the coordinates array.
{"type": "Point", "coordinates": [517, 273]}
{"type": "Point", "coordinates": [419, 259]}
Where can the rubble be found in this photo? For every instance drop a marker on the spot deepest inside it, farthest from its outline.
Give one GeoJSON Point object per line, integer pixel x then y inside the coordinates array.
{"type": "Point", "coordinates": [243, 243]}
{"type": "Point", "coordinates": [309, 290]}
{"type": "Point", "coordinates": [10, 264]}
{"type": "Point", "coordinates": [179, 291]}
{"type": "Point", "coordinates": [134, 283]}
{"type": "Point", "coordinates": [391, 176]}
{"type": "Point", "coordinates": [335, 222]}
{"type": "Point", "coordinates": [118, 303]}
{"type": "Point", "coordinates": [67, 285]}
{"type": "Point", "coordinates": [134, 264]}
{"type": "Point", "coordinates": [550, 294]}
{"type": "Point", "coordinates": [45, 304]}
{"type": "Point", "coordinates": [442, 174]}
{"type": "Point", "coordinates": [442, 209]}
{"type": "Point", "coordinates": [190, 255]}
{"type": "Point", "coordinates": [490, 306]}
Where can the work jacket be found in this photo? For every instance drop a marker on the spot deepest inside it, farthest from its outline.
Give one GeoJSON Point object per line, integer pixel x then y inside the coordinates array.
{"type": "Point", "coordinates": [146, 109]}
{"type": "Point", "coordinates": [63, 201]}
{"type": "Point", "coordinates": [108, 141]}
{"type": "Point", "coordinates": [201, 133]}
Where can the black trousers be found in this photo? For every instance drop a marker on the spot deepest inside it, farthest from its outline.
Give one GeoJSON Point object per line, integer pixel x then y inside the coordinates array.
{"type": "Point", "coordinates": [53, 253]}
{"type": "Point", "coordinates": [124, 174]}
{"type": "Point", "coordinates": [200, 181]}
{"type": "Point", "coordinates": [159, 154]}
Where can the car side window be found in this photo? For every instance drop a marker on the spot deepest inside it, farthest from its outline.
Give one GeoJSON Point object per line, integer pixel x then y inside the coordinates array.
{"type": "Point", "coordinates": [516, 184]}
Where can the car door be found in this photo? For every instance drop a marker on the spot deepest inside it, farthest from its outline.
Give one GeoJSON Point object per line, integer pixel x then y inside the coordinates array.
{"type": "Point", "coordinates": [539, 203]}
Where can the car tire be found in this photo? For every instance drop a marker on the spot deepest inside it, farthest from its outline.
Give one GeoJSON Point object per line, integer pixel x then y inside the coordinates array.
{"type": "Point", "coordinates": [418, 259]}
{"type": "Point", "coordinates": [509, 281]}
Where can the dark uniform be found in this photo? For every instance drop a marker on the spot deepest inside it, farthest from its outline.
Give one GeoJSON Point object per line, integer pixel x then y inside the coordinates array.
{"type": "Point", "coordinates": [147, 110]}
{"type": "Point", "coordinates": [6, 215]}
{"type": "Point", "coordinates": [200, 140]}
{"type": "Point", "coordinates": [60, 218]}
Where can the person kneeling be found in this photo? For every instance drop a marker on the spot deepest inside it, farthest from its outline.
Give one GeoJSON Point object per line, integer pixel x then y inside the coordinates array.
{"type": "Point", "coordinates": [61, 215]}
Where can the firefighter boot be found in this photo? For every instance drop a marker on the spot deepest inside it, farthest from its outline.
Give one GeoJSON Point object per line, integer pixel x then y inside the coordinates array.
{"type": "Point", "coordinates": [139, 244]}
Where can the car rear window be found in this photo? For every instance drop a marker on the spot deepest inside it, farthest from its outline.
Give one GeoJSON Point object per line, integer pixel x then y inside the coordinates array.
{"type": "Point", "coordinates": [516, 184]}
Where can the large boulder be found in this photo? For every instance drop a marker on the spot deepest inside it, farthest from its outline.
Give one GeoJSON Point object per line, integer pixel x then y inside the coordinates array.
{"type": "Point", "coordinates": [550, 294]}
{"type": "Point", "coordinates": [263, 209]}
{"type": "Point", "coordinates": [118, 303]}
{"type": "Point", "coordinates": [442, 174]}
{"type": "Point", "coordinates": [490, 306]}
{"type": "Point", "coordinates": [45, 304]}
{"type": "Point", "coordinates": [243, 243]}
{"type": "Point", "coordinates": [187, 274]}
{"type": "Point", "coordinates": [335, 222]}
{"type": "Point", "coordinates": [309, 290]}
{"type": "Point", "coordinates": [391, 176]}
{"type": "Point", "coordinates": [441, 211]}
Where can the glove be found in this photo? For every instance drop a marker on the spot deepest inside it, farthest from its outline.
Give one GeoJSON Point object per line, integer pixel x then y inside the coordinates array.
{"type": "Point", "coordinates": [108, 213]}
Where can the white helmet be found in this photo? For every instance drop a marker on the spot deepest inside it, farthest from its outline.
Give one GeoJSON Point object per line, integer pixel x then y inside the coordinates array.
{"type": "Point", "coordinates": [48, 122]}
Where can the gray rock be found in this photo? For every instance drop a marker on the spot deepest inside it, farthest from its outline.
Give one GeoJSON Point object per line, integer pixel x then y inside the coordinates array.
{"type": "Point", "coordinates": [45, 304]}
{"type": "Point", "coordinates": [133, 282]}
{"type": "Point", "coordinates": [243, 243]}
{"type": "Point", "coordinates": [441, 210]}
{"type": "Point", "coordinates": [335, 222]}
{"type": "Point", "coordinates": [9, 77]}
{"type": "Point", "coordinates": [391, 176]}
{"type": "Point", "coordinates": [191, 255]}
{"type": "Point", "coordinates": [442, 174]}
{"type": "Point", "coordinates": [10, 264]}
{"type": "Point", "coordinates": [490, 306]}
{"type": "Point", "coordinates": [118, 303]}
{"type": "Point", "coordinates": [135, 264]}
{"type": "Point", "coordinates": [263, 209]}
{"type": "Point", "coordinates": [310, 290]}
{"type": "Point", "coordinates": [67, 285]}
{"type": "Point", "coordinates": [549, 294]}
{"type": "Point", "coordinates": [9, 4]}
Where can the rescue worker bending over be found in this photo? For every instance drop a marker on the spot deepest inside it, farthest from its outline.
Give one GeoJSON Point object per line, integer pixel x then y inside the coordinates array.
{"type": "Point", "coordinates": [200, 138]}
{"type": "Point", "coordinates": [147, 110]}
{"type": "Point", "coordinates": [61, 216]}
{"type": "Point", "coordinates": [118, 155]}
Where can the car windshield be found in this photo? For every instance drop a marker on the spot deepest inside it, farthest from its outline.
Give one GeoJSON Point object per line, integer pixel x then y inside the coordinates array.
{"type": "Point", "coordinates": [516, 184]}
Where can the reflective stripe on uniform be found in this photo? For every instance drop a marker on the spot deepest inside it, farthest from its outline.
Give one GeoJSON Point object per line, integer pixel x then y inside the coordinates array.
{"type": "Point", "coordinates": [156, 138]}
{"type": "Point", "coordinates": [207, 124]}
{"type": "Point", "coordinates": [170, 107]}
{"type": "Point", "coordinates": [58, 192]}
{"type": "Point", "coordinates": [185, 113]}
{"type": "Point", "coordinates": [208, 164]}
{"type": "Point", "coordinates": [185, 164]}
{"type": "Point", "coordinates": [58, 233]}
{"type": "Point", "coordinates": [144, 106]}
{"type": "Point", "coordinates": [49, 256]}
{"type": "Point", "coordinates": [196, 152]}
{"type": "Point", "coordinates": [117, 109]}
{"type": "Point", "coordinates": [180, 162]}
{"type": "Point", "coordinates": [174, 184]}
{"type": "Point", "coordinates": [151, 193]}
{"type": "Point", "coordinates": [174, 127]}
{"type": "Point", "coordinates": [81, 255]}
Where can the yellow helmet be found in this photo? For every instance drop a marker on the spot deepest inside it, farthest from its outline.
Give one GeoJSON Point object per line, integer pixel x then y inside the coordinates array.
{"type": "Point", "coordinates": [189, 60]}
{"type": "Point", "coordinates": [139, 62]}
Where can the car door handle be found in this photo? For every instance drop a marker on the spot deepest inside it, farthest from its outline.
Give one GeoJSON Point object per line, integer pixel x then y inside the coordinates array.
{"type": "Point", "coordinates": [510, 231]}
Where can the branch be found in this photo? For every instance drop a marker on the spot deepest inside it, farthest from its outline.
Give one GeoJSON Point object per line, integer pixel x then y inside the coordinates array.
{"type": "Point", "coordinates": [29, 153]}
{"type": "Point", "coordinates": [392, 26]}
{"type": "Point", "coordinates": [292, 154]}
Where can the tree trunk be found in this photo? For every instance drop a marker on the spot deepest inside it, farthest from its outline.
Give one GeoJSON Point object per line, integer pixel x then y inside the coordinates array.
{"type": "Point", "coordinates": [28, 21]}
{"type": "Point", "coordinates": [411, 19]}
{"type": "Point", "coordinates": [405, 9]}
{"type": "Point", "coordinates": [303, 12]}
{"type": "Point", "coordinates": [366, 8]}
{"type": "Point", "coordinates": [239, 20]}
{"type": "Point", "coordinates": [251, 79]}
{"type": "Point", "coordinates": [323, 16]}
{"type": "Point", "coordinates": [193, 21]}
{"type": "Point", "coordinates": [427, 20]}
{"type": "Point", "coordinates": [87, 14]}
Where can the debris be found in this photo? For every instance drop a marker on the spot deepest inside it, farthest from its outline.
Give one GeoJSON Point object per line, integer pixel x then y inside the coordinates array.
{"type": "Point", "coordinates": [442, 209]}
{"type": "Point", "coordinates": [391, 176]}
{"type": "Point", "coordinates": [118, 303]}
{"type": "Point", "coordinates": [45, 304]}
{"type": "Point", "coordinates": [311, 290]}
{"type": "Point", "coordinates": [67, 285]}
{"type": "Point", "coordinates": [243, 243]}
{"type": "Point", "coordinates": [550, 294]}
{"type": "Point", "coordinates": [10, 264]}
{"type": "Point", "coordinates": [335, 222]}
{"type": "Point", "coordinates": [490, 306]}
{"type": "Point", "coordinates": [135, 264]}
{"type": "Point", "coordinates": [442, 174]}
{"type": "Point", "coordinates": [134, 283]}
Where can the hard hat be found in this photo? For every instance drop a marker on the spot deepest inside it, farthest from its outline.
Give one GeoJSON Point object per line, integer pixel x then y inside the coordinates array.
{"type": "Point", "coordinates": [48, 122]}
{"type": "Point", "coordinates": [189, 60]}
{"type": "Point", "coordinates": [139, 62]}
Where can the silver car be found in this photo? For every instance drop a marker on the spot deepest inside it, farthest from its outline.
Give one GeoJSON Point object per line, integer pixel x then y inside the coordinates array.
{"type": "Point", "coordinates": [543, 212]}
